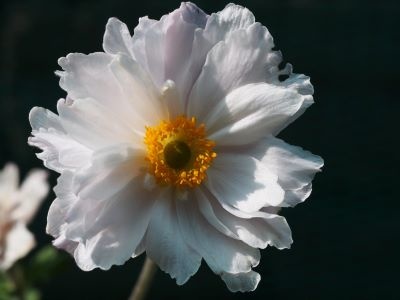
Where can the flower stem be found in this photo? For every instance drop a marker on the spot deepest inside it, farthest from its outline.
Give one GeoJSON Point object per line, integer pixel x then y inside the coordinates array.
{"type": "Point", "coordinates": [145, 278]}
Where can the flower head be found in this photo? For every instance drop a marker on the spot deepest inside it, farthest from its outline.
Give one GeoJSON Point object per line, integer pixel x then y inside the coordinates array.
{"type": "Point", "coordinates": [17, 208]}
{"type": "Point", "coordinates": [165, 145]}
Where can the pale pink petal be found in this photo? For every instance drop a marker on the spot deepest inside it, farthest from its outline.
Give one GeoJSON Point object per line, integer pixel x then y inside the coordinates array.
{"type": "Point", "coordinates": [18, 242]}
{"type": "Point", "coordinates": [9, 179]}
{"type": "Point", "coordinates": [31, 194]}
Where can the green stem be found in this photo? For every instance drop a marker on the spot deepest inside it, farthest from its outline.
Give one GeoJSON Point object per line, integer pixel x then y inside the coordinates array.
{"type": "Point", "coordinates": [145, 278]}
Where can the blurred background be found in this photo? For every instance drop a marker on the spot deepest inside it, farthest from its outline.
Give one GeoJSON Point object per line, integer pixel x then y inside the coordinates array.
{"type": "Point", "coordinates": [346, 235]}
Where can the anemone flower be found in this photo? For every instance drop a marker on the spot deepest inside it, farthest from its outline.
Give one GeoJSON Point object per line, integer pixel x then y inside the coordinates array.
{"type": "Point", "coordinates": [166, 144]}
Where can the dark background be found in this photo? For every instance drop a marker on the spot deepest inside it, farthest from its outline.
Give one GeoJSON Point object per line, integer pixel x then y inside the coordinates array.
{"type": "Point", "coordinates": [346, 234]}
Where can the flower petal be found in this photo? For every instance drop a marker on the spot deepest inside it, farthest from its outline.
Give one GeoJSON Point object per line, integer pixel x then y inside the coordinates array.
{"type": "Point", "coordinates": [18, 242]}
{"type": "Point", "coordinates": [60, 207]}
{"type": "Point", "coordinates": [88, 76]}
{"type": "Point", "coordinates": [243, 182]}
{"type": "Point", "coordinates": [9, 179]}
{"type": "Point", "coordinates": [165, 244]}
{"type": "Point", "coordinates": [103, 210]}
{"type": "Point", "coordinates": [222, 253]}
{"type": "Point", "coordinates": [136, 86]}
{"type": "Point", "coordinates": [91, 124]}
{"type": "Point", "coordinates": [109, 178]}
{"type": "Point", "coordinates": [94, 76]}
{"type": "Point", "coordinates": [252, 111]}
{"type": "Point", "coordinates": [257, 229]}
{"type": "Point", "coordinates": [246, 56]}
{"type": "Point", "coordinates": [31, 194]}
{"type": "Point", "coordinates": [230, 19]}
{"type": "Point", "coordinates": [117, 38]}
{"type": "Point", "coordinates": [60, 150]}
{"type": "Point", "coordinates": [241, 282]}
{"type": "Point", "coordinates": [294, 167]}
{"type": "Point", "coordinates": [165, 47]}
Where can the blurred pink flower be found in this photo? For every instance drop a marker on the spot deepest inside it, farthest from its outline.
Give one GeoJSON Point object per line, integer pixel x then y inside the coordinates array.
{"type": "Point", "coordinates": [18, 205]}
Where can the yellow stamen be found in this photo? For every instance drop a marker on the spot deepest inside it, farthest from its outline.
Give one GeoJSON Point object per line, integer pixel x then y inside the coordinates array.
{"type": "Point", "coordinates": [178, 152]}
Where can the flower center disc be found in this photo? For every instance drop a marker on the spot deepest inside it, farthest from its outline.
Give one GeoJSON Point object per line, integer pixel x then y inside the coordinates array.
{"type": "Point", "coordinates": [178, 152]}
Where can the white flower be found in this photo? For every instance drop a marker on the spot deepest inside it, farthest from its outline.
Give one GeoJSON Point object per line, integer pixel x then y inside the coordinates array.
{"type": "Point", "coordinates": [17, 208]}
{"type": "Point", "coordinates": [165, 145]}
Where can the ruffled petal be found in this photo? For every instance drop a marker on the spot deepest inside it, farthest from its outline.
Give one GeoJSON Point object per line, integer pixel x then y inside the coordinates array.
{"type": "Point", "coordinates": [101, 213]}
{"type": "Point", "coordinates": [257, 229]}
{"type": "Point", "coordinates": [117, 38]}
{"type": "Point", "coordinates": [246, 56]}
{"type": "Point", "coordinates": [294, 167]}
{"type": "Point", "coordinates": [243, 182]}
{"type": "Point", "coordinates": [59, 150]}
{"type": "Point", "coordinates": [92, 125]}
{"type": "Point", "coordinates": [241, 282]}
{"type": "Point", "coordinates": [164, 47]}
{"type": "Point", "coordinates": [221, 253]}
{"type": "Point", "coordinates": [166, 245]}
{"type": "Point", "coordinates": [106, 79]}
{"type": "Point", "coordinates": [142, 96]}
{"type": "Point", "coordinates": [233, 17]}
{"type": "Point", "coordinates": [31, 194]}
{"type": "Point", "coordinates": [18, 242]}
{"type": "Point", "coordinates": [251, 112]}
{"type": "Point", "coordinates": [88, 76]}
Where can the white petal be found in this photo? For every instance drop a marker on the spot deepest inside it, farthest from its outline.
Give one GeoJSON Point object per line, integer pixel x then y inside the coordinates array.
{"type": "Point", "coordinates": [165, 47]}
{"type": "Point", "coordinates": [90, 77]}
{"type": "Point", "coordinates": [66, 245]}
{"type": "Point", "coordinates": [222, 24]}
{"type": "Point", "coordinates": [141, 94]}
{"type": "Point", "coordinates": [59, 209]}
{"type": "Point", "coordinates": [60, 150]}
{"type": "Point", "coordinates": [95, 188]}
{"type": "Point", "coordinates": [246, 56]}
{"type": "Point", "coordinates": [257, 229]}
{"type": "Point", "coordinates": [92, 124]}
{"type": "Point", "coordinates": [117, 38]}
{"type": "Point", "coordinates": [222, 253]}
{"type": "Point", "coordinates": [208, 213]}
{"type": "Point", "coordinates": [31, 194]}
{"type": "Point", "coordinates": [18, 242]}
{"type": "Point", "coordinates": [243, 182]}
{"type": "Point", "coordinates": [165, 244]}
{"type": "Point", "coordinates": [103, 208]}
{"type": "Point", "coordinates": [138, 40]}
{"type": "Point", "coordinates": [242, 282]}
{"type": "Point", "coordinates": [251, 112]}
{"type": "Point", "coordinates": [9, 180]}
{"type": "Point", "coordinates": [294, 167]}
{"type": "Point", "coordinates": [171, 98]}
